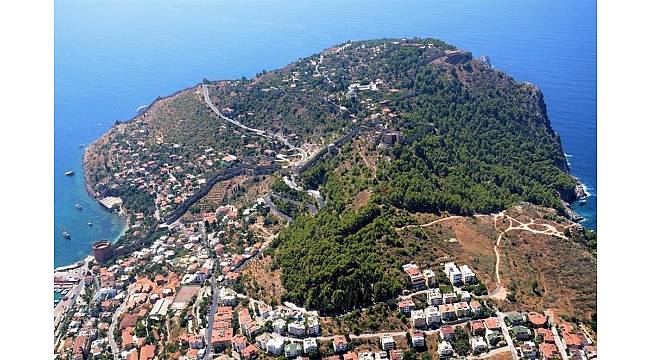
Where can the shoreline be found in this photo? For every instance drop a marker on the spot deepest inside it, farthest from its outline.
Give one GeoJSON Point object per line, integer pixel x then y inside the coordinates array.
{"type": "Point", "coordinates": [124, 216]}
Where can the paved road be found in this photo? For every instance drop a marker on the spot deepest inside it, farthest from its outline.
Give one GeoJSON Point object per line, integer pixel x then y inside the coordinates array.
{"type": "Point", "coordinates": [264, 133]}
{"type": "Point", "coordinates": [111, 330]}
{"type": "Point", "coordinates": [215, 300]}
{"type": "Point", "coordinates": [506, 334]}
{"type": "Point", "coordinates": [275, 210]}
{"type": "Point", "coordinates": [558, 342]}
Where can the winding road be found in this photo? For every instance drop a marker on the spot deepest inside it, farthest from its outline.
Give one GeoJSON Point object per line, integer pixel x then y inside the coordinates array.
{"type": "Point", "coordinates": [264, 133]}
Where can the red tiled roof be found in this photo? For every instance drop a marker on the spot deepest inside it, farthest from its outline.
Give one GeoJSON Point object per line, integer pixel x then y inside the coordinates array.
{"type": "Point", "coordinates": [492, 323]}
{"type": "Point", "coordinates": [147, 352]}
{"type": "Point", "coordinates": [548, 350]}
{"type": "Point", "coordinates": [350, 356]}
{"type": "Point", "coordinates": [536, 318]}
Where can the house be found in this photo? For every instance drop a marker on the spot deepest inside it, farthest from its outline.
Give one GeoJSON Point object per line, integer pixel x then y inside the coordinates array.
{"type": "Point", "coordinates": [478, 344]}
{"type": "Point", "coordinates": [434, 297]}
{"type": "Point", "coordinates": [445, 350]}
{"type": "Point", "coordinates": [395, 355]}
{"type": "Point", "coordinates": [476, 307]}
{"type": "Point", "coordinates": [238, 343]}
{"type": "Point", "coordinates": [279, 326]}
{"type": "Point", "coordinates": [432, 315]}
{"type": "Point", "coordinates": [415, 275]}
{"type": "Point", "coordinates": [366, 356]}
{"type": "Point", "coordinates": [548, 351]}
{"type": "Point", "coordinates": [572, 340]}
{"type": "Point", "coordinates": [406, 306]}
{"type": "Point", "coordinates": [430, 278]}
{"type": "Point", "coordinates": [544, 335]}
{"type": "Point", "coordinates": [449, 298]}
{"type": "Point", "coordinates": [513, 319]}
{"type": "Point", "coordinates": [350, 356]}
{"type": "Point", "coordinates": [590, 352]}
{"type": "Point", "coordinates": [536, 320]}
{"type": "Point", "coordinates": [147, 352]}
{"type": "Point", "coordinates": [453, 273]}
{"type": "Point", "coordinates": [264, 310]}
{"type": "Point", "coordinates": [493, 323]}
{"type": "Point", "coordinates": [448, 312]}
{"type": "Point", "coordinates": [313, 327]}
{"type": "Point", "coordinates": [387, 342]}
{"type": "Point", "coordinates": [447, 333]}
{"type": "Point", "coordinates": [340, 343]}
{"type": "Point", "coordinates": [249, 352]}
{"type": "Point", "coordinates": [417, 338]}
{"type": "Point", "coordinates": [275, 345]}
{"type": "Point", "coordinates": [467, 274]}
{"type": "Point", "coordinates": [529, 350]}
{"type": "Point", "coordinates": [462, 309]}
{"type": "Point", "coordinates": [477, 327]}
{"type": "Point", "coordinates": [196, 342]}
{"type": "Point", "coordinates": [296, 328]}
{"type": "Point", "coordinates": [494, 337]}
{"type": "Point", "coordinates": [292, 350]}
{"type": "Point", "coordinates": [262, 340]}
{"type": "Point", "coordinates": [418, 319]}
{"type": "Point", "coordinates": [310, 345]}
{"type": "Point", "coordinates": [520, 332]}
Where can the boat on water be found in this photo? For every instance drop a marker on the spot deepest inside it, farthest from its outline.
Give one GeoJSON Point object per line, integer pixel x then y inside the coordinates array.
{"type": "Point", "coordinates": [141, 108]}
{"type": "Point", "coordinates": [79, 207]}
{"type": "Point", "coordinates": [66, 234]}
{"type": "Point", "coordinates": [90, 224]}
{"type": "Point", "coordinates": [69, 173]}
{"type": "Point", "coordinates": [81, 146]}
{"type": "Point", "coordinates": [582, 202]}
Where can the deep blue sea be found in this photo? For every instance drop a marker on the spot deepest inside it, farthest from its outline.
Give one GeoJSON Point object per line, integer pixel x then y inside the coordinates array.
{"type": "Point", "coordinates": [113, 56]}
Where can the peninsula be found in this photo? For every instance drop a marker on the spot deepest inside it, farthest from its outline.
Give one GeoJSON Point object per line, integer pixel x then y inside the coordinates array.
{"type": "Point", "coordinates": [391, 198]}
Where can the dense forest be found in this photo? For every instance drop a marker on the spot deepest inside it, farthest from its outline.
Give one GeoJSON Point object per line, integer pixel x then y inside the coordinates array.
{"type": "Point", "coordinates": [473, 141]}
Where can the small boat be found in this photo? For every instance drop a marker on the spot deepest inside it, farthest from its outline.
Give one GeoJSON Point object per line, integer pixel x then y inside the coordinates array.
{"type": "Point", "coordinates": [66, 235]}
{"type": "Point", "coordinates": [69, 173]}
{"type": "Point", "coordinates": [79, 207]}
{"type": "Point", "coordinates": [141, 108]}
{"type": "Point", "coordinates": [81, 146]}
{"type": "Point", "coordinates": [90, 224]}
{"type": "Point", "coordinates": [582, 202]}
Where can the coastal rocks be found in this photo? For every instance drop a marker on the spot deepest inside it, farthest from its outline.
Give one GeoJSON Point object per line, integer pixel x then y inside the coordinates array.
{"type": "Point", "coordinates": [580, 191]}
{"type": "Point", "coordinates": [570, 213]}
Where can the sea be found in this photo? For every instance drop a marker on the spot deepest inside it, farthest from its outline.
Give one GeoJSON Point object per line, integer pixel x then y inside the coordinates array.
{"type": "Point", "coordinates": [113, 56]}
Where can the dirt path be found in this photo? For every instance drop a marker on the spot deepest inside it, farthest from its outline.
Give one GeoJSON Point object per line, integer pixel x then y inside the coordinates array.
{"type": "Point", "coordinates": [427, 224]}
{"type": "Point", "coordinates": [500, 292]}
{"type": "Point", "coordinates": [372, 168]}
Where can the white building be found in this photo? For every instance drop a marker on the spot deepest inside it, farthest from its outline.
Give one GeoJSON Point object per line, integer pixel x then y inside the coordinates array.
{"type": "Point", "coordinates": [453, 273]}
{"type": "Point", "coordinates": [296, 328]}
{"type": "Point", "coordinates": [387, 342]}
{"type": "Point", "coordinates": [275, 345]}
{"type": "Point", "coordinates": [279, 326]}
{"type": "Point", "coordinates": [418, 319]}
{"type": "Point", "coordinates": [313, 328]}
{"type": "Point", "coordinates": [434, 297]}
{"type": "Point", "coordinates": [478, 344]}
{"type": "Point", "coordinates": [468, 275]}
{"type": "Point", "coordinates": [417, 339]}
{"type": "Point", "coordinates": [310, 345]}
{"type": "Point", "coordinates": [430, 278]}
{"type": "Point", "coordinates": [445, 349]}
{"type": "Point", "coordinates": [449, 298]}
{"type": "Point", "coordinates": [432, 315]}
